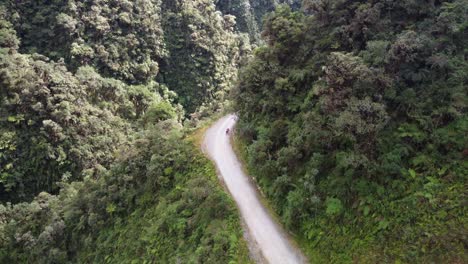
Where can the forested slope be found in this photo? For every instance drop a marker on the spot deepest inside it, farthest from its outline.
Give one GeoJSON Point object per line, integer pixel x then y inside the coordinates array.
{"type": "Point", "coordinates": [137, 41]}
{"type": "Point", "coordinates": [353, 118]}
{"type": "Point", "coordinates": [95, 165]}
{"type": "Point", "coordinates": [204, 53]}
{"type": "Point", "coordinates": [250, 13]}
{"type": "Point", "coordinates": [113, 61]}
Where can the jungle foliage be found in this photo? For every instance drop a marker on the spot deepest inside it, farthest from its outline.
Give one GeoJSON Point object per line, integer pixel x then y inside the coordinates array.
{"type": "Point", "coordinates": [159, 202]}
{"type": "Point", "coordinates": [187, 45]}
{"type": "Point", "coordinates": [95, 165]}
{"type": "Point", "coordinates": [204, 54]}
{"type": "Point", "coordinates": [353, 118]}
{"type": "Point", "coordinates": [250, 13]}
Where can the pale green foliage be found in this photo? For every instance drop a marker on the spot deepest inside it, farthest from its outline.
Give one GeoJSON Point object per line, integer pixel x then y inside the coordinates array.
{"type": "Point", "coordinates": [334, 206]}
{"type": "Point", "coordinates": [361, 118]}
{"type": "Point", "coordinates": [344, 69]}
{"type": "Point", "coordinates": [54, 123]}
{"type": "Point", "coordinates": [8, 37]}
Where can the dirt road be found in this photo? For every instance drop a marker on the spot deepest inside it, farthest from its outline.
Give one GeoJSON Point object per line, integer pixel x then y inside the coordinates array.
{"type": "Point", "coordinates": [270, 238]}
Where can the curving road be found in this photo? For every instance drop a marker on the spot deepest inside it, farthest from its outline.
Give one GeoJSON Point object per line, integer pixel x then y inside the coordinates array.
{"type": "Point", "coordinates": [269, 237]}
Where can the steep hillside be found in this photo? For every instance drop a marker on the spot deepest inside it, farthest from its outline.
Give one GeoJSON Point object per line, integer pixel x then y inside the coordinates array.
{"type": "Point", "coordinates": [187, 44]}
{"type": "Point", "coordinates": [354, 122]}
{"type": "Point", "coordinates": [249, 13]}
{"type": "Point", "coordinates": [95, 165]}
{"type": "Point", "coordinates": [160, 202]}
{"type": "Point", "coordinates": [203, 53]}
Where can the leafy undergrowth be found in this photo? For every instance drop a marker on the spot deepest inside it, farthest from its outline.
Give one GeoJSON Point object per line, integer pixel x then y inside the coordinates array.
{"type": "Point", "coordinates": [196, 219]}
{"type": "Point", "coordinates": [160, 203]}
{"type": "Point", "coordinates": [354, 122]}
{"type": "Point", "coordinates": [428, 215]}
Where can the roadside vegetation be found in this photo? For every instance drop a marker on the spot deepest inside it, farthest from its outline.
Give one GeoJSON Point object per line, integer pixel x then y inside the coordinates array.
{"type": "Point", "coordinates": [353, 120]}
{"type": "Point", "coordinates": [96, 165]}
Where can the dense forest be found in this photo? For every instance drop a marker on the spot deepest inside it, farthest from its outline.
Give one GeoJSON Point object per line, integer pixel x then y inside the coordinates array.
{"type": "Point", "coordinates": [96, 165]}
{"type": "Point", "coordinates": [353, 122]}
{"type": "Point", "coordinates": [250, 13]}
